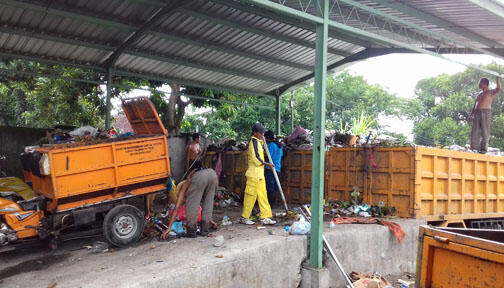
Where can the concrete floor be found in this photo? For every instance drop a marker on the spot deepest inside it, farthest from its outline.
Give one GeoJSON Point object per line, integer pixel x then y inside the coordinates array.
{"type": "Point", "coordinates": [250, 258]}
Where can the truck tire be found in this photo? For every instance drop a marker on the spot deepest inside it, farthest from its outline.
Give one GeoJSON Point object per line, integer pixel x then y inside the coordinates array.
{"type": "Point", "coordinates": [123, 225]}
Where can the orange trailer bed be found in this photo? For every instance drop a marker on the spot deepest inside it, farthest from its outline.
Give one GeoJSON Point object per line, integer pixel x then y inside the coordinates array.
{"type": "Point", "coordinates": [84, 174]}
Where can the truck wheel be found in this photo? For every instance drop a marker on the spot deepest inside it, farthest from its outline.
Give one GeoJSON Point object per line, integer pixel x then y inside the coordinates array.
{"type": "Point", "coordinates": [123, 225]}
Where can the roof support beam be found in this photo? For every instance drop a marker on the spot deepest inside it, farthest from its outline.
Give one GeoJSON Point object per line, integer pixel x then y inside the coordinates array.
{"type": "Point", "coordinates": [50, 61]}
{"type": "Point", "coordinates": [135, 36]}
{"type": "Point", "coordinates": [231, 51]}
{"type": "Point", "coordinates": [53, 61]}
{"type": "Point", "coordinates": [203, 66]}
{"type": "Point", "coordinates": [411, 11]}
{"type": "Point", "coordinates": [261, 32]}
{"type": "Point", "coordinates": [364, 54]}
{"type": "Point", "coordinates": [119, 25]}
{"type": "Point", "coordinates": [196, 97]}
{"type": "Point", "coordinates": [67, 14]}
{"type": "Point", "coordinates": [364, 34]}
{"type": "Point", "coordinates": [190, 83]}
{"type": "Point", "coordinates": [415, 26]}
{"type": "Point", "coordinates": [319, 108]}
{"type": "Point", "coordinates": [289, 20]}
{"type": "Point", "coordinates": [165, 58]}
{"type": "Point", "coordinates": [54, 37]}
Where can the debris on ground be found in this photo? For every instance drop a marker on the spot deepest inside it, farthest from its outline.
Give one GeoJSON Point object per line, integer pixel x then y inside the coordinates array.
{"type": "Point", "coordinates": [219, 241]}
{"type": "Point", "coordinates": [405, 283]}
{"type": "Point", "coordinates": [98, 247]}
{"type": "Point", "coordinates": [226, 221]}
{"type": "Point", "coordinates": [52, 284]}
{"type": "Point", "coordinates": [219, 256]}
{"type": "Point", "coordinates": [368, 280]}
{"type": "Point", "coordinates": [300, 227]}
{"type": "Point", "coordinates": [224, 198]}
{"type": "Point", "coordinates": [393, 227]}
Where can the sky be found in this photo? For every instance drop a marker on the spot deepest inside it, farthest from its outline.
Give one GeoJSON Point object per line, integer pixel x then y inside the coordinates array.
{"type": "Point", "coordinates": [397, 73]}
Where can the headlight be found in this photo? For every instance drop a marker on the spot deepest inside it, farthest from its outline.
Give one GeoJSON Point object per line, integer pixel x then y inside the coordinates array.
{"type": "Point", "coordinates": [44, 165]}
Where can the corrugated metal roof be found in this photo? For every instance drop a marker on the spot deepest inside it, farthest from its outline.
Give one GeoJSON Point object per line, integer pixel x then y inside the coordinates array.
{"type": "Point", "coordinates": [227, 44]}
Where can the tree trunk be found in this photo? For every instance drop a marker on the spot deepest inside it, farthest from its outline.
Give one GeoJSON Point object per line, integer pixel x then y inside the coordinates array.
{"type": "Point", "coordinates": [175, 111]}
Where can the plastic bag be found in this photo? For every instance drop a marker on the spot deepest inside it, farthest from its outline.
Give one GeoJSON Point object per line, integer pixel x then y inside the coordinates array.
{"type": "Point", "coordinates": [177, 227]}
{"type": "Point", "coordinates": [84, 131]}
{"type": "Point", "coordinates": [301, 227]}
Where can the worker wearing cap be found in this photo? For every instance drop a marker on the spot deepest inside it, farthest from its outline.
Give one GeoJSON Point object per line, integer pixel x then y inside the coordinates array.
{"type": "Point", "coordinates": [256, 184]}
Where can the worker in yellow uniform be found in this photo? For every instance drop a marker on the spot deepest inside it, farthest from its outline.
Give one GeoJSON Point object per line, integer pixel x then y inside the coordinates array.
{"type": "Point", "coordinates": [256, 184]}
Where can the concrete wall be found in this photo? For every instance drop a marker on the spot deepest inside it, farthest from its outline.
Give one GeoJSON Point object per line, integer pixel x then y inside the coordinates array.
{"type": "Point", "coordinates": [176, 148]}
{"type": "Point", "coordinates": [373, 248]}
{"type": "Point", "coordinates": [12, 143]}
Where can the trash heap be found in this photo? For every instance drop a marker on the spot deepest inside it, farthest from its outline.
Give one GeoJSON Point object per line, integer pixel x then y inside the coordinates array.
{"type": "Point", "coordinates": [357, 207]}
{"type": "Point", "coordinates": [227, 145]}
{"type": "Point", "coordinates": [224, 198]}
{"type": "Point", "coordinates": [467, 148]}
{"type": "Point", "coordinates": [84, 134]}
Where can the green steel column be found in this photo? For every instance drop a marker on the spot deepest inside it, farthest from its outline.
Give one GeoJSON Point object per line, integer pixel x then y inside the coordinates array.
{"type": "Point", "coordinates": [317, 192]}
{"type": "Point", "coordinates": [109, 96]}
{"type": "Point", "coordinates": [278, 115]}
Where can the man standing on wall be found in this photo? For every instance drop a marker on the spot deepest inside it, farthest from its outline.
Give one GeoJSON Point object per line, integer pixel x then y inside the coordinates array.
{"type": "Point", "coordinates": [276, 153]}
{"type": "Point", "coordinates": [256, 185]}
{"type": "Point", "coordinates": [193, 151]}
{"type": "Point", "coordinates": [481, 116]}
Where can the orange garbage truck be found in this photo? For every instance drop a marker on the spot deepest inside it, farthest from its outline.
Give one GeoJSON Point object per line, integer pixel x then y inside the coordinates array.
{"type": "Point", "coordinates": [87, 186]}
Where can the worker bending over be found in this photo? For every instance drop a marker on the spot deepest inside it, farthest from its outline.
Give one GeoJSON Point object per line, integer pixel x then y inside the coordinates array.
{"type": "Point", "coordinates": [481, 116]}
{"type": "Point", "coordinates": [276, 153]}
{"type": "Point", "coordinates": [193, 151]}
{"type": "Point", "coordinates": [200, 185]}
{"type": "Point", "coordinates": [256, 185]}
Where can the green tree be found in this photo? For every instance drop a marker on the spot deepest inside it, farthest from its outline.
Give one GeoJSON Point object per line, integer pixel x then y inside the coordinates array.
{"type": "Point", "coordinates": [37, 101]}
{"type": "Point", "coordinates": [443, 103]}
{"type": "Point", "coordinates": [347, 96]}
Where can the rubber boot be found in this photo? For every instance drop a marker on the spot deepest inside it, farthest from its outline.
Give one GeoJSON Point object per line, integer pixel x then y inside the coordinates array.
{"type": "Point", "coordinates": [205, 226]}
{"type": "Point", "coordinates": [191, 231]}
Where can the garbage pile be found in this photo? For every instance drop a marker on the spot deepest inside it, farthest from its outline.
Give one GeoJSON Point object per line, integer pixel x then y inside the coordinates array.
{"type": "Point", "coordinates": [467, 148]}
{"type": "Point", "coordinates": [84, 134]}
{"type": "Point", "coordinates": [300, 139]}
{"type": "Point", "coordinates": [357, 207]}
{"type": "Point", "coordinates": [227, 145]}
{"type": "Point", "coordinates": [369, 280]}
{"type": "Point", "coordinates": [224, 198]}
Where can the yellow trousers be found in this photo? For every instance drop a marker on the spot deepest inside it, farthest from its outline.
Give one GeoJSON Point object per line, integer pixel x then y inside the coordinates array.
{"type": "Point", "coordinates": [256, 190]}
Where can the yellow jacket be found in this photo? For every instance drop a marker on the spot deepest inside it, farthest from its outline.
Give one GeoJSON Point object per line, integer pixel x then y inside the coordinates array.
{"type": "Point", "coordinates": [255, 159]}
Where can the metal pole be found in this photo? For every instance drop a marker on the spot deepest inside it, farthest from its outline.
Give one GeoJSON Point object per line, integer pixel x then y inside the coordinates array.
{"type": "Point", "coordinates": [328, 248]}
{"type": "Point", "coordinates": [317, 189]}
{"type": "Point", "coordinates": [109, 96]}
{"type": "Point", "coordinates": [292, 111]}
{"type": "Point", "coordinates": [276, 176]}
{"type": "Point", "coordinates": [278, 115]}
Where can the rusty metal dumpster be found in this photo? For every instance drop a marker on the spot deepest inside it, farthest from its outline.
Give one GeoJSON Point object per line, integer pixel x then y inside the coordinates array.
{"type": "Point", "coordinates": [451, 257]}
{"type": "Point", "coordinates": [421, 182]}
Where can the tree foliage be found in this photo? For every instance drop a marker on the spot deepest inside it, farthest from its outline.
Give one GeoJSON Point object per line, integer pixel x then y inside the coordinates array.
{"type": "Point", "coordinates": [443, 103]}
{"type": "Point", "coordinates": [348, 96]}
{"type": "Point", "coordinates": [35, 101]}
